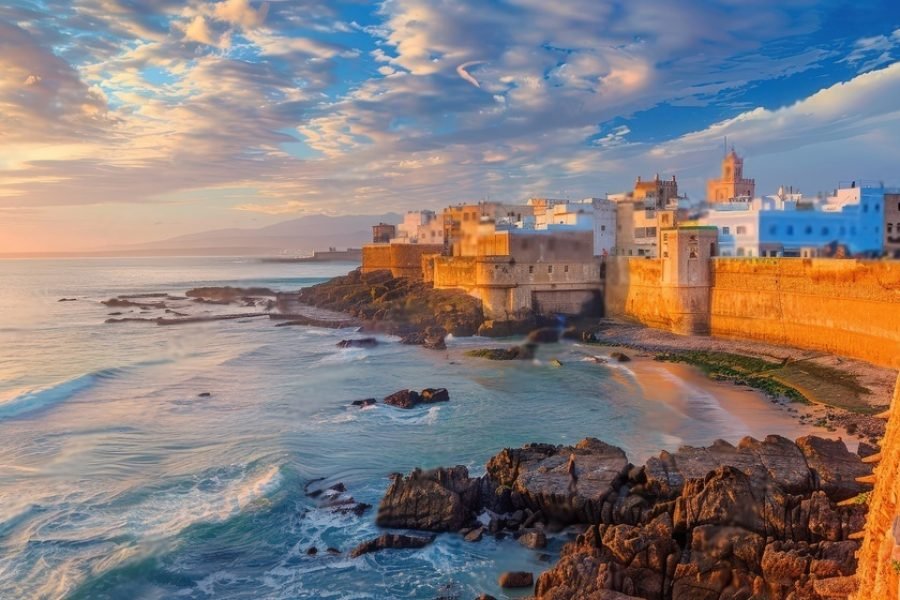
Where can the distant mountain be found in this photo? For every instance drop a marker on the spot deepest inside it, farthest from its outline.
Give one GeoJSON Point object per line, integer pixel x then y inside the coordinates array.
{"type": "Point", "coordinates": [294, 237]}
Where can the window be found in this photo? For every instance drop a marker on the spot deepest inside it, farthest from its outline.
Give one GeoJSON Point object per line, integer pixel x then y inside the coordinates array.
{"type": "Point", "coordinates": [877, 207]}
{"type": "Point", "coordinates": [741, 230]}
{"type": "Point", "coordinates": [790, 230]}
{"type": "Point", "coordinates": [843, 230]}
{"type": "Point", "coordinates": [531, 268]}
{"type": "Point", "coordinates": [603, 228]}
{"type": "Point", "coordinates": [651, 231]}
{"type": "Point", "coordinates": [712, 249]}
{"type": "Point", "coordinates": [549, 268]}
{"type": "Point", "coordinates": [773, 230]}
{"type": "Point", "coordinates": [740, 251]}
{"type": "Point", "coordinates": [808, 230]}
{"type": "Point", "coordinates": [890, 228]}
{"type": "Point", "coordinates": [825, 231]}
{"type": "Point", "coordinates": [566, 268]}
{"type": "Point", "coordinates": [726, 231]}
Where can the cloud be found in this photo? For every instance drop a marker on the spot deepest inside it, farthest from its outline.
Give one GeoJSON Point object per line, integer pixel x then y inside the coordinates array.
{"type": "Point", "coordinates": [462, 72]}
{"type": "Point", "coordinates": [240, 12]}
{"type": "Point", "coordinates": [283, 208]}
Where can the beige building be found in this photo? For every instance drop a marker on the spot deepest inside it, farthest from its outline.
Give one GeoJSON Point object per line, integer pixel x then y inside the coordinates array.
{"type": "Point", "coordinates": [464, 223]}
{"type": "Point", "coordinates": [731, 185]}
{"type": "Point", "coordinates": [518, 272]}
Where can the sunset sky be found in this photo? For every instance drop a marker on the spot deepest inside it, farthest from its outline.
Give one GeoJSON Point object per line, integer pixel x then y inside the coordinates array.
{"type": "Point", "coordinates": [134, 120]}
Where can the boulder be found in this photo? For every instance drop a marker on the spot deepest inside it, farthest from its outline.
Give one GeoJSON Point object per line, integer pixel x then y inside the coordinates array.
{"type": "Point", "coordinates": [436, 500]}
{"type": "Point", "coordinates": [516, 579]}
{"type": "Point", "coordinates": [544, 335]}
{"type": "Point", "coordinates": [403, 399]}
{"type": "Point", "coordinates": [619, 357]}
{"type": "Point", "coordinates": [363, 403]}
{"type": "Point", "coordinates": [475, 535]}
{"type": "Point", "coordinates": [390, 541]}
{"type": "Point", "coordinates": [432, 395]}
{"type": "Point", "coordinates": [368, 342]}
{"type": "Point", "coordinates": [834, 468]}
{"type": "Point", "coordinates": [533, 539]}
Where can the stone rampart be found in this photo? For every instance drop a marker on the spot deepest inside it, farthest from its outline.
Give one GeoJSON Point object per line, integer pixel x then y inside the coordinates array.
{"type": "Point", "coordinates": [840, 306]}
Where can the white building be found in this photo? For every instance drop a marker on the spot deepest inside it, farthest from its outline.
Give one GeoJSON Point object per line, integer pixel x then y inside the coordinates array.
{"type": "Point", "coordinates": [784, 225]}
{"type": "Point", "coordinates": [420, 227]}
{"type": "Point", "coordinates": [597, 215]}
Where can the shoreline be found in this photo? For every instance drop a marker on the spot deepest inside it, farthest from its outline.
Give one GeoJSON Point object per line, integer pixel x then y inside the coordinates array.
{"type": "Point", "coordinates": [826, 381]}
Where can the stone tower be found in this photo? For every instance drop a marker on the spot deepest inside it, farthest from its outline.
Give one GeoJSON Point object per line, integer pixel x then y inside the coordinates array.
{"type": "Point", "coordinates": [732, 184]}
{"type": "Point", "coordinates": [685, 254]}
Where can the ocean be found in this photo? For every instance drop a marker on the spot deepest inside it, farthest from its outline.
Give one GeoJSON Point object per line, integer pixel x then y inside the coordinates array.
{"type": "Point", "coordinates": [119, 480]}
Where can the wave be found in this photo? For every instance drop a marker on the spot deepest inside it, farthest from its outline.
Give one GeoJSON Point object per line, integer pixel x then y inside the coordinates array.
{"type": "Point", "coordinates": [57, 393]}
{"type": "Point", "coordinates": [51, 395]}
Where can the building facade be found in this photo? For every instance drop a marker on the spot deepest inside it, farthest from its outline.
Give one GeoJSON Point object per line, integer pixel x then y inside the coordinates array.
{"type": "Point", "coordinates": [851, 221]}
{"type": "Point", "coordinates": [892, 224]}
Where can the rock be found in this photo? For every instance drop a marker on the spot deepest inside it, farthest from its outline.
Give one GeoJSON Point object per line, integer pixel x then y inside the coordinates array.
{"type": "Point", "coordinates": [403, 399]}
{"type": "Point", "coordinates": [516, 579]}
{"type": "Point", "coordinates": [390, 541]}
{"type": "Point", "coordinates": [475, 535]}
{"type": "Point", "coordinates": [619, 357]}
{"type": "Point", "coordinates": [533, 539]}
{"type": "Point", "coordinates": [556, 362]}
{"type": "Point", "coordinates": [544, 335]}
{"type": "Point", "coordinates": [363, 403]}
{"type": "Point", "coordinates": [524, 352]}
{"type": "Point", "coordinates": [312, 551]}
{"type": "Point", "coordinates": [485, 597]}
{"type": "Point", "coordinates": [436, 500]}
{"type": "Point", "coordinates": [204, 395]}
{"type": "Point", "coordinates": [834, 468]}
{"type": "Point", "coordinates": [368, 342]}
{"type": "Point", "coordinates": [331, 550]}
{"type": "Point", "coordinates": [540, 479]}
{"type": "Point", "coordinates": [432, 395]}
{"type": "Point", "coordinates": [67, 299]}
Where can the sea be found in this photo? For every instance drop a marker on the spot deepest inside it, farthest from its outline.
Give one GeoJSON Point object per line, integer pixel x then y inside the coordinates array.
{"type": "Point", "coordinates": [145, 461]}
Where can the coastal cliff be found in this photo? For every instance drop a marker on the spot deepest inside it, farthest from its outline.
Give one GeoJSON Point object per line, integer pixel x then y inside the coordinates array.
{"type": "Point", "coordinates": [764, 519]}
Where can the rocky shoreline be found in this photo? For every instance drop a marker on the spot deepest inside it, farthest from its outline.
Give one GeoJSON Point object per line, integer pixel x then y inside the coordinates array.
{"type": "Point", "coordinates": [763, 519]}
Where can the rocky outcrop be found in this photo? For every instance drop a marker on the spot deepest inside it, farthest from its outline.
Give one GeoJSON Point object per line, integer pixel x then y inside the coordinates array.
{"type": "Point", "coordinates": [436, 500]}
{"type": "Point", "coordinates": [411, 309]}
{"type": "Point", "coordinates": [544, 335]}
{"type": "Point", "coordinates": [568, 484]}
{"type": "Point", "coordinates": [760, 519]}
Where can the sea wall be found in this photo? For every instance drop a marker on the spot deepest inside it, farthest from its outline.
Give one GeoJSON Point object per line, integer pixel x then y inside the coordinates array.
{"type": "Point", "coordinates": [879, 556]}
{"type": "Point", "coordinates": [839, 306]}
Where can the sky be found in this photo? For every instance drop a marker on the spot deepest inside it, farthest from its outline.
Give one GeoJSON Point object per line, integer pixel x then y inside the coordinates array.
{"type": "Point", "coordinates": [123, 121]}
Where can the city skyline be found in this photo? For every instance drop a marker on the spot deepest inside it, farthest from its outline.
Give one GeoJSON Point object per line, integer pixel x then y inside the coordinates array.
{"type": "Point", "coordinates": [135, 121]}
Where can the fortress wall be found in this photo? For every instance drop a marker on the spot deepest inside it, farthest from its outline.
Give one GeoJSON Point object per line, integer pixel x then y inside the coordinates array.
{"type": "Point", "coordinates": [839, 306]}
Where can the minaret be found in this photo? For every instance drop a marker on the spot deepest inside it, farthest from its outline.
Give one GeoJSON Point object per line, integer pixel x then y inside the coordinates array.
{"type": "Point", "coordinates": [732, 183]}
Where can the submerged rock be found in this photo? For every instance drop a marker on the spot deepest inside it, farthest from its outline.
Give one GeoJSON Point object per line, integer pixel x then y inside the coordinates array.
{"type": "Point", "coordinates": [410, 399]}
{"type": "Point", "coordinates": [523, 352]}
{"type": "Point", "coordinates": [368, 342]}
{"type": "Point", "coordinates": [390, 541]}
{"type": "Point", "coordinates": [544, 335]}
{"type": "Point", "coordinates": [364, 402]}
